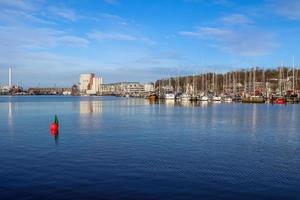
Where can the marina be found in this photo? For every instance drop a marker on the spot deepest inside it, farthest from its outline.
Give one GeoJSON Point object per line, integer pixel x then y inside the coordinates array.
{"type": "Point", "coordinates": [149, 100]}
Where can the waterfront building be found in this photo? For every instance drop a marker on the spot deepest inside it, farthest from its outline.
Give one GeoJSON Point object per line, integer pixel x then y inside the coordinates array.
{"type": "Point", "coordinates": [149, 87]}
{"type": "Point", "coordinates": [49, 91]}
{"type": "Point", "coordinates": [125, 88]}
{"type": "Point", "coordinates": [89, 84]}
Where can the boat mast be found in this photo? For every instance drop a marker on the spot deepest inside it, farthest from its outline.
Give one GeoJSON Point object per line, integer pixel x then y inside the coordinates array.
{"type": "Point", "coordinates": [245, 83]}
{"type": "Point", "coordinates": [159, 88]}
{"type": "Point", "coordinates": [193, 84]}
{"type": "Point", "coordinates": [254, 79]}
{"type": "Point", "coordinates": [293, 75]}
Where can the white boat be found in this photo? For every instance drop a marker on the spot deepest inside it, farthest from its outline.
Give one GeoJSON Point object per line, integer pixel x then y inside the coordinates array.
{"type": "Point", "coordinates": [169, 96]}
{"type": "Point", "coordinates": [204, 98]}
{"type": "Point", "coordinates": [185, 97]}
{"type": "Point", "coordinates": [227, 99]}
{"type": "Point", "coordinates": [216, 98]}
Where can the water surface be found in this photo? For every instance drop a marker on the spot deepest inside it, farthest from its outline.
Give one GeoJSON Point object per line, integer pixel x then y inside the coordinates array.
{"type": "Point", "coordinates": [119, 148]}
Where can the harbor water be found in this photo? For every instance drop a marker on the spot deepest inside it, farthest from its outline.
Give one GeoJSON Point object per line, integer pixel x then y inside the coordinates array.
{"type": "Point", "coordinates": [125, 148]}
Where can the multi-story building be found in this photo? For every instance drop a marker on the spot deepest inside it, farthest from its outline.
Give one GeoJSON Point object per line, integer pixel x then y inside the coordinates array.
{"type": "Point", "coordinates": [149, 87]}
{"type": "Point", "coordinates": [123, 88]}
{"type": "Point", "coordinates": [90, 84]}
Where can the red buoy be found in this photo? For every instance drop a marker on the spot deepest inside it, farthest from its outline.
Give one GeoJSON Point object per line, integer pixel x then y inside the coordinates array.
{"type": "Point", "coordinates": [54, 128]}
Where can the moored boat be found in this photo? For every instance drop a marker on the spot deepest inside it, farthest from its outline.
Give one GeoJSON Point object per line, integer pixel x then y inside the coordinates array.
{"type": "Point", "coordinates": [253, 99]}
{"type": "Point", "coordinates": [227, 99]}
{"type": "Point", "coordinates": [216, 98]}
{"type": "Point", "coordinates": [152, 97]}
{"type": "Point", "coordinates": [204, 98]}
{"type": "Point", "coordinates": [169, 95]}
{"type": "Point", "coordinates": [280, 100]}
{"type": "Point", "coordinates": [185, 97]}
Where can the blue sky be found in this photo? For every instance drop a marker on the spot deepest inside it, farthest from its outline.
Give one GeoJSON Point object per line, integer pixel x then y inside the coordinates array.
{"type": "Point", "coordinates": [51, 42]}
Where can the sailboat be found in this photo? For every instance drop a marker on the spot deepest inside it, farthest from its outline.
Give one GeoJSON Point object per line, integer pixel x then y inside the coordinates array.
{"type": "Point", "coordinates": [185, 96]}
{"type": "Point", "coordinates": [279, 98]}
{"type": "Point", "coordinates": [194, 96]}
{"type": "Point", "coordinates": [215, 97]}
{"type": "Point", "coordinates": [204, 97]}
{"type": "Point", "coordinates": [255, 98]}
{"type": "Point", "coordinates": [169, 94]}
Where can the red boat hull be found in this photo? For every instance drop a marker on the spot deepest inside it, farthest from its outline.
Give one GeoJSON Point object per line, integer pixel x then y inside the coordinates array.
{"type": "Point", "coordinates": [280, 101]}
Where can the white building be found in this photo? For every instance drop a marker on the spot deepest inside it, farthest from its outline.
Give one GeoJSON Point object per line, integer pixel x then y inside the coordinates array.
{"type": "Point", "coordinates": [149, 87]}
{"type": "Point", "coordinates": [123, 88]}
{"type": "Point", "coordinates": [10, 77]}
{"type": "Point", "coordinates": [90, 84]}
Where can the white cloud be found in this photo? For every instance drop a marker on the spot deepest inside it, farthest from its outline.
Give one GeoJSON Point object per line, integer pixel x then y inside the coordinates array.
{"type": "Point", "coordinates": [111, 36]}
{"type": "Point", "coordinates": [9, 16]}
{"type": "Point", "coordinates": [16, 4]}
{"type": "Point", "coordinates": [37, 38]}
{"type": "Point", "coordinates": [64, 13]}
{"type": "Point", "coordinates": [243, 41]}
{"type": "Point", "coordinates": [205, 31]}
{"type": "Point", "coordinates": [236, 19]}
{"type": "Point", "coordinates": [286, 8]}
{"type": "Point", "coordinates": [98, 35]}
{"type": "Point", "coordinates": [73, 41]}
{"type": "Point", "coordinates": [114, 18]}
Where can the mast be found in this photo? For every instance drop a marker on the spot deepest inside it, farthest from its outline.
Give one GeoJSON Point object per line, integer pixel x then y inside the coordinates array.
{"type": "Point", "coordinates": [159, 88]}
{"type": "Point", "coordinates": [193, 84]}
{"type": "Point", "coordinates": [170, 83]}
{"type": "Point", "coordinates": [177, 80]}
{"type": "Point", "coordinates": [280, 78]}
{"type": "Point", "coordinates": [293, 75]}
{"type": "Point", "coordinates": [245, 83]}
{"type": "Point", "coordinates": [263, 80]}
{"type": "Point", "coordinates": [254, 79]}
{"type": "Point", "coordinates": [213, 81]}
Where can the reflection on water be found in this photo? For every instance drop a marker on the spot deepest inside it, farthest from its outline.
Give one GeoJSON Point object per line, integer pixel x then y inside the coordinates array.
{"type": "Point", "coordinates": [90, 107]}
{"type": "Point", "coordinates": [89, 112]}
{"type": "Point", "coordinates": [181, 103]}
{"type": "Point", "coordinates": [170, 102]}
{"type": "Point", "coordinates": [56, 137]}
{"type": "Point", "coordinates": [10, 114]}
{"type": "Point", "coordinates": [254, 116]}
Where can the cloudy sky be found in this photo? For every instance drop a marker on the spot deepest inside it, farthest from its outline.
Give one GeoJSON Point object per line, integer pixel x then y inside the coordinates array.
{"type": "Point", "coordinates": [51, 42]}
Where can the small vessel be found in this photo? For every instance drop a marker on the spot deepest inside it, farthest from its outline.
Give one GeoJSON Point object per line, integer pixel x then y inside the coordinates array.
{"type": "Point", "coordinates": [237, 98]}
{"type": "Point", "coordinates": [280, 100]}
{"type": "Point", "coordinates": [227, 99]}
{"type": "Point", "coordinates": [253, 99]}
{"type": "Point", "coordinates": [185, 97]}
{"type": "Point", "coordinates": [204, 98]}
{"type": "Point", "coordinates": [193, 98]}
{"type": "Point", "coordinates": [152, 97]}
{"type": "Point", "coordinates": [216, 98]}
{"type": "Point", "coordinates": [169, 95]}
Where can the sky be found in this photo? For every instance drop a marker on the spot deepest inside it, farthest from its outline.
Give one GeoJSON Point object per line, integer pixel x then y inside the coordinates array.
{"type": "Point", "coordinates": [50, 43]}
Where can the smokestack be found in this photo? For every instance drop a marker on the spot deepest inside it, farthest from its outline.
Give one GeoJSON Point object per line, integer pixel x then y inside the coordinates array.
{"type": "Point", "coordinates": [10, 77]}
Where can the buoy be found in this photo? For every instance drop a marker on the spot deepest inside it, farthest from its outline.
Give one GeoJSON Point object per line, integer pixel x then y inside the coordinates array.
{"type": "Point", "coordinates": [54, 126]}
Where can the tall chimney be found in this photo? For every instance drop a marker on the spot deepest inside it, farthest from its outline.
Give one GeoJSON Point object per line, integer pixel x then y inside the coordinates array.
{"type": "Point", "coordinates": [10, 76]}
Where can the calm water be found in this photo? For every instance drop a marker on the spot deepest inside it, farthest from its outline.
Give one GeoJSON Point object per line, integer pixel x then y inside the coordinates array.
{"type": "Point", "coordinates": [118, 148]}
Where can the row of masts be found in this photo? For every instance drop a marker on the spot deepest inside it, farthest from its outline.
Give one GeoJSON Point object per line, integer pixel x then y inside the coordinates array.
{"type": "Point", "coordinates": [236, 82]}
